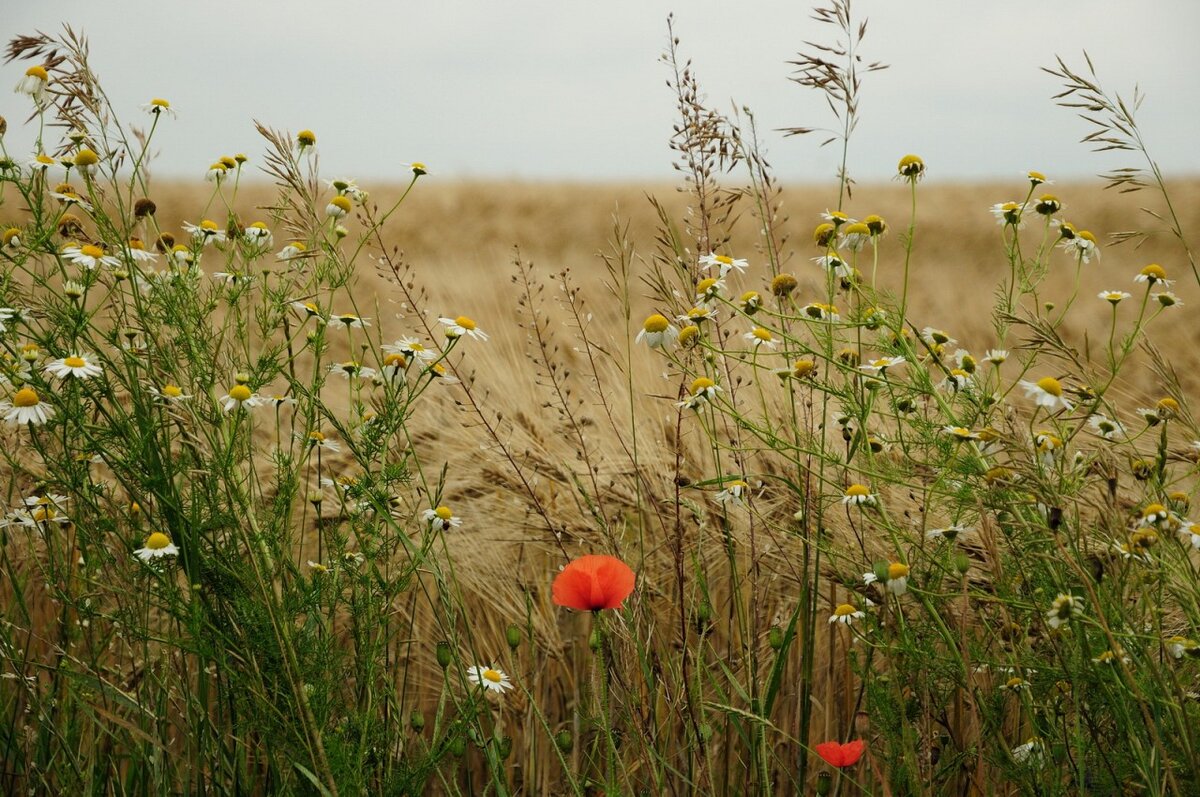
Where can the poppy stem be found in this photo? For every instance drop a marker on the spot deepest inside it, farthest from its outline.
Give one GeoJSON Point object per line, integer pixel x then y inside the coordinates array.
{"type": "Point", "coordinates": [599, 644]}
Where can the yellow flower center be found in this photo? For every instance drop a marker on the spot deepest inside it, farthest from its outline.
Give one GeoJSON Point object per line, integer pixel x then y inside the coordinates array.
{"type": "Point", "coordinates": [1050, 385]}
{"type": "Point", "coordinates": [688, 334]}
{"type": "Point", "coordinates": [239, 393]}
{"type": "Point", "coordinates": [705, 285]}
{"type": "Point", "coordinates": [1087, 236]}
{"type": "Point", "coordinates": [91, 251]}
{"type": "Point", "coordinates": [911, 165]}
{"type": "Point", "coordinates": [86, 157]}
{"type": "Point", "coordinates": [1014, 682]}
{"type": "Point", "coordinates": [823, 233]}
{"type": "Point", "coordinates": [418, 166]}
{"type": "Point", "coordinates": [724, 260]}
{"type": "Point", "coordinates": [803, 368]}
{"type": "Point", "coordinates": [228, 162]}
{"type": "Point", "coordinates": [844, 610]}
{"type": "Point", "coordinates": [38, 72]}
{"type": "Point", "coordinates": [1155, 272]}
{"type": "Point", "coordinates": [159, 102]}
{"type": "Point", "coordinates": [443, 513]}
{"type": "Point", "coordinates": [464, 322]}
{"type": "Point", "coordinates": [493, 675]}
{"type": "Point", "coordinates": [44, 159]}
{"type": "Point", "coordinates": [897, 570]}
{"type": "Point", "coordinates": [656, 323]}
{"type": "Point", "coordinates": [762, 334]}
{"type": "Point", "coordinates": [857, 228]}
{"type": "Point", "coordinates": [208, 226]}
{"type": "Point", "coordinates": [157, 541]}
{"type": "Point", "coordinates": [218, 167]}
{"type": "Point", "coordinates": [26, 397]}
{"type": "Point", "coordinates": [1167, 404]}
{"type": "Point", "coordinates": [1037, 177]}
{"type": "Point", "coordinates": [306, 138]}
{"type": "Point", "coordinates": [397, 360]}
{"type": "Point", "coordinates": [74, 361]}
{"type": "Point", "coordinates": [316, 437]}
{"type": "Point", "coordinates": [341, 203]}
{"type": "Point", "coordinates": [10, 234]}
{"type": "Point", "coordinates": [259, 225]}
{"type": "Point", "coordinates": [702, 384]}
{"type": "Point", "coordinates": [172, 391]}
{"type": "Point", "coordinates": [857, 491]}
{"type": "Point", "coordinates": [1151, 510]}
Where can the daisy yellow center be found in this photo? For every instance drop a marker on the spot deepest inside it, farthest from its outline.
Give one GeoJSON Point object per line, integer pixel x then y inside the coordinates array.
{"type": "Point", "coordinates": [438, 369]}
{"type": "Point", "coordinates": [239, 393]}
{"type": "Point", "coordinates": [1048, 199]}
{"type": "Point", "coordinates": [911, 163]}
{"type": "Point", "coordinates": [858, 228]}
{"type": "Point", "coordinates": [348, 319]}
{"type": "Point", "coordinates": [258, 225]}
{"type": "Point", "coordinates": [396, 360]}
{"type": "Point", "coordinates": [172, 391]}
{"type": "Point", "coordinates": [803, 368]}
{"type": "Point", "coordinates": [218, 166]}
{"type": "Point", "coordinates": [493, 675]}
{"type": "Point", "coordinates": [705, 285]}
{"type": "Point", "coordinates": [229, 162]}
{"type": "Point", "coordinates": [702, 384]}
{"type": "Point", "coordinates": [91, 251]}
{"type": "Point", "coordinates": [178, 248]}
{"type": "Point", "coordinates": [45, 160]}
{"type": "Point", "coordinates": [312, 308]}
{"type": "Point", "coordinates": [418, 166]}
{"type": "Point", "coordinates": [464, 322]}
{"type": "Point", "coordinates": [341, 203]}
{"type": "Point", "coordinates": [1037, 177]}
{"type": "Point", "coordinates": [158, 102]}
{"type": "Point", "coordinates": [10, 234]}
{"type": "Point", "coordinates": [761, 334]}
{"type": "Point", "coordinates": [857, 491]}
{"type": "Point", "coordinates": [844, 610]}
{"type": "Point", "coordinates": [38, 72]}
{"type": "Point", "coordinates": [306, 137]}
{"type": "Point", "coordinates": [1154, 271]}
{"type": "Point", "coordinates": [157, 541]}
{"type": "Point", "coordinates": [724, 260]}
{"type": "Point", "coordinates": [86, 157]}
{"type": "Point", "coordinates": [1087, 236]}
{"type": "Point", "coordinates": [1168, 404]}
{"type": "Point", "coordinates": [738, 484]}
{"type": "Point", "coordinates": [316, 437]}
{"type": "Point", "coordinates": [1014, 682]}
{"type": "Point", "coordinates": [74, 362]}
{"type": "Point", "coordinates": [897, 570]}
{"type": "Point", "coordinates": [688, 333]}
{"type": "Point", "coordinates": [443, 513]}
{"type": "Point", "coordinates": [656, 323]}
{"type": "Point", "coordinates": [1152, 510]}
{"type": "Point", "coordinates": [1050, 385]}
{"type": "Point", "coordinates": [208, 225]}
{"type": "Point", "coordinates": [136, 243]}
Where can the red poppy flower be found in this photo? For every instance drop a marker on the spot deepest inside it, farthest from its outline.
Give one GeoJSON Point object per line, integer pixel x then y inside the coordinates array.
{"type": "Point", "coordinates": [592, 583]}
{"type": "Point", "coordinates": [841, 755]}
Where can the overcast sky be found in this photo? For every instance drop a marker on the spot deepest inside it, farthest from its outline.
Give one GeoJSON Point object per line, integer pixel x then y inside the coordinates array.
{"type": "Point", "coordinates": [570, 89]}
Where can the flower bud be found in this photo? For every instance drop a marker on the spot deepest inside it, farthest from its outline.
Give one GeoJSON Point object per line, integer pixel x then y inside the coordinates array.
{"type": "Point", "coordinates": [512, 635]}
{"type": "Point", "coordinates": [775, 637]}
{"type": "Point", "coordinates": [443, 654]}
{"type": "Point", "coordinates": [824, 783]}
{"type": "Point", "coordinates": [416, 721]}
{"type": "Point", "coordinates": [564, 741]}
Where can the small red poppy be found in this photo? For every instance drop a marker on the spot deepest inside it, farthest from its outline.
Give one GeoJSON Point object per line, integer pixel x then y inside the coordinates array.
{"type": "Point", "coordinates": [591, 583]}
{"type": "Point", "coordinates": [841, 755]}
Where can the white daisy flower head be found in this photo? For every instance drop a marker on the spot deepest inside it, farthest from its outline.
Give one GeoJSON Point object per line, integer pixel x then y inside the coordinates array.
{"type": "Point", "coordinates": [26, 407]}
{"type": "Point", "coordinates": [702, 391]}
{"type": "Point", "coordinates": [845, 614]}
{"type": "Point", "coordinates": [723, 263]}
{"type": "Point", "coordinates": [1106, 427]}
{"type": "Point", "coordinates": [412, 348]}
{"type": "Point", "coordinates": [1189, 534]}
{"type": "Point", "coordinates": [462, 326]}
{"type": "Point", "coordinates": [1046, 392]}
{"type": "Point", "coordinates": [697, 315]}
{"type": "Point", "coordinates": [709, 290]}
{"type": "Point", "coordinates": [1064, 607]}
{"type": "Point", "coordinates": [894, 576]}
{"type": "Point", "coordinates": [834, 264]}
{"type": "Point", "coordinates": [735, 492]}
{"type": "Point", "coordinates": [159, 107]}
{"type": "Point", "coordinates": [489, 678]}
{"type": "Point", "coordinates": [1153, 274]}
{"type": "Point", "coordinates": [438, 372]}
{"type": "Point", "coordinates": [205, 232]}
{"type": "Point", "coordinates": [1008, 214]}
{"type": "Point", "coordinates": [1167, 299]}
{"type": "Point", "coordinates": [170, 393]}
{"type": "Point", "coordinates": [995, 356]}
{"type": "Point", "coordinates": [1015, 684]}
{"type": "Point", "coordinates": [89, 256]}
{"type": "Point", "coordinates": [657, 332]}
{"type": "Point", "coordinates": [339, 207]}
{"type": "Point", "coordinates": [317, 439]}
{"type": "Point", "coordinates": [960, 433]}
{"type": "Point", "coordinates": [819, 311]}
{"type": "Point", "coordinates": [856, 235]}
{"type": "Point", "coordinates": [79, 366]}
{"type": "Point", "coordinates": [240, 397]}
{"type": "Point", "coordinates": [1113, 297]}
{"type": "Point", "coordinates": [1037, 178]}
{"type": "Point", "coordinates": [136, 251]}
{"type": "Point", "coordinates": [352, 369]}
{"type": "Point", "coordinates": [157, 546]}
{"type": "Point", "coordinates": [1082, 245]}
{"type": "Point", "coordinates": [308, 310]}
{"type": "Point", "coordinates": [33, 83]}
{"type": "Point", "coordinates": [949, 533]}
{"type": "Point", "coordinates": [441, 518]}
{"type": "Point", "coordinates": [216, 172]}
{"type": "Point", "coordinates": [292, 251]}
{"type": "Point", "coordinates": [1180, 646]}
{"type": "Point", "coordinates": [348, 321]}
{"type": "Point", "coordinates": [760, 336]}
{"type": "Point", "coordinates": [417, 168]}
{"type": "Point", "coordinates": [259, 234]}
{"type": "Point", "coordinates": [837, 218]}
{"type": "Point", "coordinates": [880, 365]}
{"type": "Point", "coordinates": [859, 495]}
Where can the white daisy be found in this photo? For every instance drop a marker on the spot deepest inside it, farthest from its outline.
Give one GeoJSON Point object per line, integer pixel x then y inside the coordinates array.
{"type": "Point", "coordinates": [441, 518]}
{"type": "Point", "coordinates": [845, 614]}
{"type": "Point", "coordinates": [240, 396]}
{"type": "Point", "coordinates": [760, 337]}
{"type": "Point", "coordinates": [410, 348]}
{"type": "Point", "coordinates": [258, 234]}
{"type": "Point", "coordinates": [878, 366]}
{"type": "Point", "coordinates": [76, 365]}
{"type": "Point", "coordinates": [89, 256]}
{"type": "Point", "coordinates": [657, 331]}
{"type": "Point", "coordinates": [702, 391]}
{"type": "Point", "coordinates": [33, 83]}
{"type": "Point", "coordinates": [205, 232]}
{"type": "Point", "coordinates": [457, 327]}
{"type": "Point", "coordinates": [339, 207]}
{"type": "Point", "coordinates": [1106, 427]}
{"type": "Point", "coordinates": [735, 492]}
{"type": "Point", "coordinates": [1113, 297]}
{"type": "Point", "coordinates": [158, 107]}
{"type": "Point", "coordinates": [948, 532]}
{"type": "Point", "coordinates": [157, 546]}
{"type": "Point", "coordinates": [26, 407]}
{"type": "Point", "coordinates": [723, 263]}
{"type": "Point", "coordinates": [349, 321]}
{"type": "Point", "coordinates": [858, 495]}
{"type": "Point", "coordinates": [1030, 753]}
{"type": "Point", "coordinates": [352, 369]}
{"type": "Point", "coordinates": [1063, 609]}
{"type": "Point", "coordinates": [1046, 392]}
{"type": "Point", "coordinates": [489, 678]}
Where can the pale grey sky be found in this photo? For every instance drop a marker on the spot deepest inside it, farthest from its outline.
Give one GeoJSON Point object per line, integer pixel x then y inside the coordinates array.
{"type": "Point", "coordinates": [570, 89]}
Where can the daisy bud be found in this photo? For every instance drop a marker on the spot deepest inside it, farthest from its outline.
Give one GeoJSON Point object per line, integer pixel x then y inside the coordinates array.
{"type": "Point", "coordinates": [911, 167]}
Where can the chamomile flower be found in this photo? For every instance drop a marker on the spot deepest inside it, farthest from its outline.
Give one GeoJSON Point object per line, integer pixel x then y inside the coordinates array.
{"type": "Point", "coordinates": [1167, 299]}
{"type": "Point", "coordinates": [1153, 274]}
{"type": "Point", "coordinates": [856, 235]}
{"type": "Point", "coordinates": [995, 356]}
{"type": "Point", "coordinates": [216, 172]}
{"type": "Point", "coordinates": [1189, 534]}
{"type": "Point", "coordinates": [489, 678]}
{"type": "Point", "coordinates": [259, 234]}
{"type": "Point", "coordinates": [1064, 607]}
{"type": "Point", "coordinates": [205, 232]}
{"type": "Point", "coordinates": [278, 400]}
{"type": "Point", "coordinates": [417, 168]}
{"type": "Point", "coordinates": [33, 83]}
{"type": "Point", "coordinates": [170, 393]}
{"type": "Point", "coordinates": [936, 337]}
{"type": "Point", "coordinates": [723, 263]}
{"type": "Point", "coordinates": [1154, 514]}
{"type": "Point", "coordinates": [657, 331]}
{"type": "Point", "coordinates": [317, 439]}
{"type": "Point", "coordinates": [783, 284]}
{"type": "Point", "coordinates": [89, 256]}
{"type": "Point", "coordinates": [41, 510]}
{"type": "Point", "coordinates": [960, 433]}
{"type": "Point", "coordinates": [79, 366]}
{"type": "Point", "coordinates": [317, 567]}
{"type": "Point", "coordinates": [1015, 684]}
{"type": "Point", "coordinates": [949, 533]}
{"type": "Point", "coordinates": [1046, 392]}
{"type": "Point", "coordinates": [911, 168]}
{"type": "Point", "coordinates": [880, 365]}
{"type": "Point", "coordinates": [735, 492]}
{"type": "Point", "coordinates": [834, 264]}
{"type": "Point", "coordinates": [8, 314]}
{"type": "Point", "coordinates": [1113, 297]}
{"type": "Point", "coordinates": [41, 162]}
{"type": "Point", "coordinates": [348, 188]}
{"type": "Point", "coordinates": [1178, 647]}
{"type": "Point", "coordinates": [67, 196]}
{"type": "Point", "coordinates": [750, 302]}
{"type": "Point", "coordinates": [1047, 205]}
{"type": "Point", "coordinates": [352, 369]}
{"type": "Point", "coordinates": [158, 106]}
{"type": "Point", "coordinates": [438, 372]}
{"type": "Point", "coordinates": [957, 379]}
{"type": "Point", "coordinates": [157, 546]}
{"type": "Point", "coordinates": [1111, 657]}
{"type": "Point", "coordinates": [702, 391]}
{"type": "Point", "coordinates": [348, 321]}
{"type": "Point", "coordinates": [709, 290]}
{"type": "Point", "coordinates": [759, 337]}
{"type": "Point", "coordinates": [895, 577]}
{"type": "Point", "coordinates": [239, 397]}
{"type": "Point", "coordinates": [1032, 753]}
{"type": "Point", "coordinates": [1082, 245]}
{"type": "Point", "coordinates": [845, 614]}
{"type": "Point", "coordinates": [1138, 546]}
{"type": "Point", "coordinates": [136, 251]}
{"type": "Point", "coordinates": [441, 518]}
{"type": "Point", "coordinates": [858, 495]}
{"type": "Point", "coordinates": [837, 218]}
{"type": "Point", "coordinates": [25, 407]}
{"type": "Point", "coordinates": [1106, 427]}
{"type": "Point", "coordinates": [410, 348]}
{"type": "Point", "coordinates": [824, 234]}
{"type": "Point", "coordinates": [1008, 213]}
{"type": "Point", "coordinates": [339, 207]}
{"type": "Point", "coordinates": [819, 311]}
{"type": "Point", "coordinates": [86, 161]}
{"type": "Point", "coordinates": [308, 310]}
{"type": "Point", "coordinates": [293, 250]}
{"type": "Point", "coordinates": [460, 326]}
{"type": "Point", "coordinates": [1037, 178]}
{"type": "Point", "coordinates": [12, 238]}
